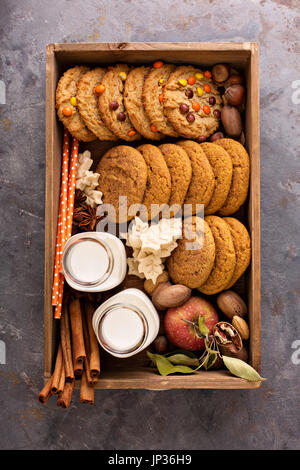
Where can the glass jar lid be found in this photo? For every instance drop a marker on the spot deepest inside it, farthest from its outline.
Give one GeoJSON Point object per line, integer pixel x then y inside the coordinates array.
{"type": "Point", "coordinates": [87, 261]}
{"type": "Point", "coordinates": [122, 328]}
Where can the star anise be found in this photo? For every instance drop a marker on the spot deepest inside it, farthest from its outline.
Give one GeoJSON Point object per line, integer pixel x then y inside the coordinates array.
{"type": "Point", "coordinates": [84, 216]}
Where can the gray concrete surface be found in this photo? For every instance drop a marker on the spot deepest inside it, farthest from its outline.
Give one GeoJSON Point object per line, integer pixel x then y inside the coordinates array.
{"type": "Point", "coordinates": [263, 419]}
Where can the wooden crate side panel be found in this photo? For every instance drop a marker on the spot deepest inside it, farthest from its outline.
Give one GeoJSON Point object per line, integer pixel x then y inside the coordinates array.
{"type": "Point", "coordinates": [253, 142]}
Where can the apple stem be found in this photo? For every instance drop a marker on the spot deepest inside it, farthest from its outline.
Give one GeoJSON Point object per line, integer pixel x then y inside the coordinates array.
{"type": "Point", "coordinates": [194, 325]}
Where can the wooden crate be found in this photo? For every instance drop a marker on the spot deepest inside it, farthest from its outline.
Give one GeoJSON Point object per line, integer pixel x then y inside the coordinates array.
{"type": "Point", "coordinates": [132, 373]}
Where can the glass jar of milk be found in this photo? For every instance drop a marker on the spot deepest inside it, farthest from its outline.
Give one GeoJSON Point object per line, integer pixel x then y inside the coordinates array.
{"type": "Point", "coordinates": [94, 261]}
{"type": "Point", "coordinates": [126, 323]}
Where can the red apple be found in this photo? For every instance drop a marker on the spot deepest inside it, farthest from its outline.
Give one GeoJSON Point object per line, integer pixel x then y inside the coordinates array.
{"type": "Point", "coordinates": [183, 334]}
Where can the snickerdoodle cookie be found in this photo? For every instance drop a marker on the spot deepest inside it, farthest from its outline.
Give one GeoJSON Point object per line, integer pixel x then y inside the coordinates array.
{"type": "Point", "coordinates": [240, 175]}
{"type": "Point", "coordinates": [225, 260]}
{"type": "Point", "coordinates": [202, 184]}
{"type": "Point", "coordinates": [123, 172]}
{"type": "Point", "coordinates": [180, 169]}
{"type": "Point", "coordinates": [193, 259]}
{"type": "Point", "coordinates": [221, 164]}
{"type": "Point", "coordinates": [158, 186]}
{"type": "Point", "coordinates": [242, 246]}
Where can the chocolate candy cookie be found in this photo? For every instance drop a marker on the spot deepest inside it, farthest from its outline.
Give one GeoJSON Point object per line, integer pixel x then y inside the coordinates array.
{"type": "Point", "coordinates": [66, 104]}
{"type": "Point", "coordinates": [134, 106]}
{"type": "Point", "coordinates": [111, 103]}
{"type": "Point", "coordinates": [225, 260]}
{"type": "Point", "coordinates": [158, 187]}
{"type": "Point", "coordinates": [180, 169]}
{"type": "Point", "coordinates": [240, 176]}
{"type": "Point", "coordinates": [123, 172]}
{"type": "Point", "coordinates": [189, 264]}
{"type": "Point", "coordinates": [242, 246]}
{"type": "Point", "coordinates": [87, 101]}
{"type": "Point", "coordinates": [192, 102]}
{"type": "Point", "coordinates": [202, 184]}
{"type": "Point", "coordinates": [221, 164]}
{"type": "Point", "coordinates": [153, 97]}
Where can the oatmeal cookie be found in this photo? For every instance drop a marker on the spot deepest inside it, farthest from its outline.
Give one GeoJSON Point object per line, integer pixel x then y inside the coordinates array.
{"type": "Point", "coordinates": [153, 95]}
{"type": "Point", "coordinates": [134, 105]}
{"type": "Point", "coordinates": [111, 104]}
{"type": "Point", "coordinates": [66, 104]}
{"type": "Point", "coordinates": [192, 102]}
{"type": "Point", "coordinates": [87, 101]}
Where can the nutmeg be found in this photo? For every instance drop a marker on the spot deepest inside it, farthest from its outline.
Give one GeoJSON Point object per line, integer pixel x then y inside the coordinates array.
{"type": "Point", "coordinates": [220, 73]}
{"type": "Point", "coordinates": [167, 295]}
{"type": "Point", "coordinates": [231, 304]}
{"type": "Point", "coordinates": [235, 94]}
{"type": "Point", "coordinates": [231, 120]}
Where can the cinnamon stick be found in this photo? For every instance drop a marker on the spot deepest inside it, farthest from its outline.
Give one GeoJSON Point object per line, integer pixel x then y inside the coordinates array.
{"type": "Point", "coordinates": [65, 398]}
{"type": "Point", "coordinates": [87, 392]}
{"type": "Point", "coordinates": [46, 393]}
{"type": "Point", "coordinates": [78, 368]}
{"type": "Point", "coordinates": [66, 344]}
{"type": "Point", "coordinates": [62, 380]}
{"type": "Point", "coordinates": [57, 371]}
{"type": "Point", "coordinates": [87, 349]}
{"type": "Point", "coordinates": [79, 352]}
{"type": "Point", "coordinates": [94, 355]}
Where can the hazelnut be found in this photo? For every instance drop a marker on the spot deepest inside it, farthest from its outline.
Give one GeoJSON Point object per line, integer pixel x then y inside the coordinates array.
{"type": "Point", "coordinates": [160, 344]}
{"type": "Point", "coordinates": [149, 286]}
{"type": "Point", "coordinates": [235, 94]}
{"type": "Point", "coordinates": [231, 120]}
{"type": "Point", "coordinates": [236, 79]}
{"type": "Point", "coordinates": [220, 73]}
{"type": "Point", "coordinates": [231, 304]}
{"type": "Point", "coordinates": [216, 136]}
{"type": "Point", "coordinates": [241, 326]}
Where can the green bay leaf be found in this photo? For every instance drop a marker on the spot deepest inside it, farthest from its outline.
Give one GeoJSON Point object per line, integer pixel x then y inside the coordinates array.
{"type": "Point", "coordinates": [181, 351]}
{"type": "Point", "coordinates": [183, 359]}
{"type": "Point", "coordinates": [242, 369]}
{"type": "Point", "coordinates": [165, 367]}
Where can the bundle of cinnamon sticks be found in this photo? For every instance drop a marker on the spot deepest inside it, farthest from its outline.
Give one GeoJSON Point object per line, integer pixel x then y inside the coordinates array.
{"type": "Point", "coordinates": [77, 355]}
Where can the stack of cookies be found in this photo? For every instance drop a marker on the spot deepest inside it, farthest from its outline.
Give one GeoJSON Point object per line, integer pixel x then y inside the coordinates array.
{"type": "Point", "coordinates": [213, 174]}
{"type": "Point", "coordinates": [122, 102]}
{"type": "Point", "coordinates": [220, 260]}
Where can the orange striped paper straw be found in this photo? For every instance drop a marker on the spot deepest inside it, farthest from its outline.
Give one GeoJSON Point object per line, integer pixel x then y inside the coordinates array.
{"type": "Point", "coordinates": [61, 224]}
{"type": "Point", "coordinates": [69, 215]}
